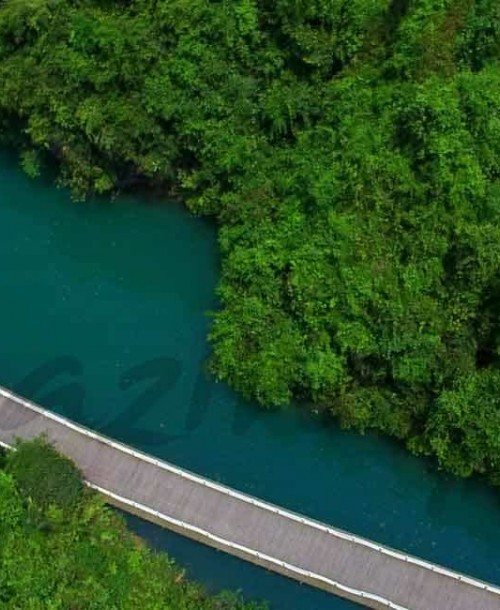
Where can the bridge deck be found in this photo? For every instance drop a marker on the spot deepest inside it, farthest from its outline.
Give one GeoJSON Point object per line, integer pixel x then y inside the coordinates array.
{"type": "Point", "coordinates": [293, 545]}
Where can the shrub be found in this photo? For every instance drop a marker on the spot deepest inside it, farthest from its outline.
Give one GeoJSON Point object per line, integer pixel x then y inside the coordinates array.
{"type": "Point", "coordinates": [44, 475]}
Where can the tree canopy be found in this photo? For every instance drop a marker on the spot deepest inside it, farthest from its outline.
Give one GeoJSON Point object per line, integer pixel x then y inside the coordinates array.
{"type": "Point", "coordinates": [350, 152]}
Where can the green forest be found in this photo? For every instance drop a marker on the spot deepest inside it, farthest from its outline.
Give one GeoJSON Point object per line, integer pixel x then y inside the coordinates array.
{"type": "Point", "coordinates": [349, 151]}
{"type": "Point", "coordinates": [61, 547]}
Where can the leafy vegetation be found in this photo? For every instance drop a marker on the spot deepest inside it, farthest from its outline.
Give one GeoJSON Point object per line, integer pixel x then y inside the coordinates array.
{"type": "Point", "coordinates": [80, 555]}
{"type": "Point", "coordinates": [350, 152]}
{"type": "Point", "coordinates": [43, 475]}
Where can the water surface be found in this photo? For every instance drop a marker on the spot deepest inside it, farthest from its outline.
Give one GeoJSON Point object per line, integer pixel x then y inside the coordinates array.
{"type": "Point", "coordinates": [103, 319]}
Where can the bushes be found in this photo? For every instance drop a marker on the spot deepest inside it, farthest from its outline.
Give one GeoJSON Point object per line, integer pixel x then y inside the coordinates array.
{"type": "Point", "coordinates": [350, 153]}
{"type": "Point", "coordinates": [82, 557]}
{"type": "Point", "coordinates": [465, 426]}
{"type": "Point", "coordinates": [44, 476]}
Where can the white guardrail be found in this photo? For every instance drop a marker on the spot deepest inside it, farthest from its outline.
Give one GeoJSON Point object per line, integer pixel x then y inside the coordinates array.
{"type": "Point", "coordinates": [222, 542]}
{"type": "Point", "coordinates": [256, 502]}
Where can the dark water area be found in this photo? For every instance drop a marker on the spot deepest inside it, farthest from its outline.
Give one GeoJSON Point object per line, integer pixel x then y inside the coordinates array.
{"type": "Point", "coordinates": [103, 318]}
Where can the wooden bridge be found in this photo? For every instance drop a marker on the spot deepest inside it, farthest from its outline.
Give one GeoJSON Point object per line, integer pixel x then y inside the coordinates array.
{"type": "Point", "coordinates": [285, 542]}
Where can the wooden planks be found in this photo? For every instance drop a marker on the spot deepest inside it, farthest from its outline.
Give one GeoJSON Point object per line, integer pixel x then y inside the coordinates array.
{"type": "Point", "coordinates": [267, 535]}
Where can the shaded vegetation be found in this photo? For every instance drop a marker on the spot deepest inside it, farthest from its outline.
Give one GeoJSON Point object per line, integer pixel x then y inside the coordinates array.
{"type": "Point", "coordinates": [44, 476]}
{"type": "Point", "coordinates": [81, 555]}
{"type": "Point", "coordinates": [349, 151]}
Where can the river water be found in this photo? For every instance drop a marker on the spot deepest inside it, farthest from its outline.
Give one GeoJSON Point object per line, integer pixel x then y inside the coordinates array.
{"type": "Point", "coordinates": [103, 318]}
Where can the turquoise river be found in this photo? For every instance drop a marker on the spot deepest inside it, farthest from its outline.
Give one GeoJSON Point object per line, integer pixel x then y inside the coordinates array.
{"type": "Point", "coordinates": [103, 318]}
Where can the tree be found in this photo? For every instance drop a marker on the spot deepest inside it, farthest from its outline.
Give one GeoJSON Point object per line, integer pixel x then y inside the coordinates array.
{"type": "Point", "coordinates": [349, 152]}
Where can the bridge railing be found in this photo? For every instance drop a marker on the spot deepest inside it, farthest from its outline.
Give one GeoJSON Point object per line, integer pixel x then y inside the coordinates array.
{"type": "Point", "coordinates": [352, 538]}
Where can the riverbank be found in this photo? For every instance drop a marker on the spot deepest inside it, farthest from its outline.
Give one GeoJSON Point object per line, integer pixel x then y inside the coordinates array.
{"type": "Point", "coordinates": [350, 155]}
{"type": "Point", "coordinates": [62, 547]}
{"type": "Point", "coordinates": [117, 341]}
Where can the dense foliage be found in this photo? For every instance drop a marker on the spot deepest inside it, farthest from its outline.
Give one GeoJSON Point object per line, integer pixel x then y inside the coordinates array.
{"type": "Point", "coordinates": [82, 557]}
{"type": "Point", "coordinates": [43, 475]}
{"type": "Point", "coordinates": [350, 151]}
